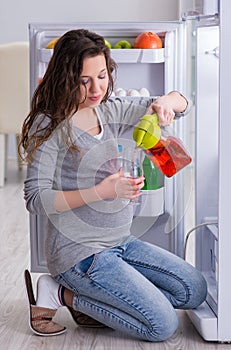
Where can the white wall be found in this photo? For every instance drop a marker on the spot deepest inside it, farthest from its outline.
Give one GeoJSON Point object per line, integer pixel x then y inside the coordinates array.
{"type": "Point", "coordinates": [15, 15]}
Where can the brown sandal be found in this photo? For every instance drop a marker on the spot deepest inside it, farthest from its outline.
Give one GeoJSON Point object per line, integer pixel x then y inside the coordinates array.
{"type": "Point", "coordinates": [40, 317]}
{"type": "Point", "coordinates": [84, 320]}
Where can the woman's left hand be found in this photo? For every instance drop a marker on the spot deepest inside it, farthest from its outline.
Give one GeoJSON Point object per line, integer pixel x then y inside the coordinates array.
{"type": "Point", "coordinates": [166, 106]}
{"type": "Point", "coordinates": [162, 107]}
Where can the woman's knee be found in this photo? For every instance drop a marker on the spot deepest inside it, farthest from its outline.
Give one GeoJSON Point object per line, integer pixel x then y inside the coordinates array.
{"type": "Point", "coordinates": [197, 290]}
{"type": "Point", "coordinates": [164, 328]}
{"type": "Point", "coordinates": [200, 290]}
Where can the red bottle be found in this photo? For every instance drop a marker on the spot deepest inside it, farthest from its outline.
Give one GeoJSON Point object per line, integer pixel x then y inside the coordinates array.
{"type": "Point", "coordinates": [168, 153]}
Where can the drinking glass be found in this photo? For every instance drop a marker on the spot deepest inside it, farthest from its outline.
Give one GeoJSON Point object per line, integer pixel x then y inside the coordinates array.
{"type": "Point", "coordinates": [132, 166]}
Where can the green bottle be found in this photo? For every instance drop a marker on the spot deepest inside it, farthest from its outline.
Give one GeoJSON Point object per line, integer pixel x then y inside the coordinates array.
{"type": "Point", "coordinates": [154, 178]}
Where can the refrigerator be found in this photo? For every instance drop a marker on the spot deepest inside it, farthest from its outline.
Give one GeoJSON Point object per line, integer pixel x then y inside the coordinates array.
{"type": "Point", "coordinates": [159, 218]}
{"type": "Point", "coordinates": [189, 63]}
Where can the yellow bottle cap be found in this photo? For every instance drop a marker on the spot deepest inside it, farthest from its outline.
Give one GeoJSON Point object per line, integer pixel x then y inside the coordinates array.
{"type": "Point", "coordinates": [147, 133]}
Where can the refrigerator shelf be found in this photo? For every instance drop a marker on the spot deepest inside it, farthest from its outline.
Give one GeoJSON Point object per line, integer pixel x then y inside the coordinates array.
{"type": "Point", "coordinates": [120, 55]}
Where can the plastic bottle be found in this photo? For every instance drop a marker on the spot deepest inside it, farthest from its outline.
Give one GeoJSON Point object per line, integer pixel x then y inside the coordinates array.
{"type": "Point", "coordinates": [120, 157]}
{"type": "Point", "coordinates": [154, 178]}
{"type": "Point", "coordinates": [165, 151]}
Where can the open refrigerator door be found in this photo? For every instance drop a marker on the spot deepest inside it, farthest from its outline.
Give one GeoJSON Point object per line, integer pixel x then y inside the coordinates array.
{"type": "Point", "coordinates": [212, 242]}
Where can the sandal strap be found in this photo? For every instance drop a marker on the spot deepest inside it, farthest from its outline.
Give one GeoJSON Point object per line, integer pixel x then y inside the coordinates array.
{"type": "Point", "coordinates": [41, 318]}
{"type": "Point", "coordinates": [29, 287]}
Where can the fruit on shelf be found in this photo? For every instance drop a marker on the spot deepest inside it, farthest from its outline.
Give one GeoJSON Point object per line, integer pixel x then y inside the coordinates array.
{"type": "Point", "coordinates": [123, 44]}
{"type": "Point", "coordinates": [52, 43]}
{"type": "Point", "coordinates": [107, 43]}
{"type": "Point", "coordinates": [144, 92]}
{"type": "Point", "coordinates": [148, 40]}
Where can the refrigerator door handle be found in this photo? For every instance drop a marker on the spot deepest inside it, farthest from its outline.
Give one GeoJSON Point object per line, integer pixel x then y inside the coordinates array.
{"type": "Point", "coordinates": [214, 52]}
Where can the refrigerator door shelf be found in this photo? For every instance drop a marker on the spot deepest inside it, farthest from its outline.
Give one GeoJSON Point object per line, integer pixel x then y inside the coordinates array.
{"type": "Point", "coordinates": [120, 55]}
{"type": "Point", "coordinates": [138, 55]}
{"type": "Point", "coordinates": [151, 203]}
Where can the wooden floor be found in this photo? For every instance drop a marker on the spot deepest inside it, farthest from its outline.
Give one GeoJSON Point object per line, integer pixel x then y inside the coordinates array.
{"type": "Point", "coordinates": [15, 258]}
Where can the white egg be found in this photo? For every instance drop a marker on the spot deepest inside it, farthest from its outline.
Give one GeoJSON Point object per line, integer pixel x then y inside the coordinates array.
{"type": "Point", "coordinates": [120, 92]}
{"type": "Point", "coordinates": [133, 93]}
{"type": "Point", "coordinates": [144, 92]}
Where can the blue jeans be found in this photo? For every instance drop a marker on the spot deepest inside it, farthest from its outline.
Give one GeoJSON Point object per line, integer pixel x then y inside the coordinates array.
{"type": "Point", "coordinates": [135, 288]}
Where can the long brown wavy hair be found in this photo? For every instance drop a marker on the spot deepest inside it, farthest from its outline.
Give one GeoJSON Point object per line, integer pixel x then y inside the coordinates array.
{"type": "Point", "coordinates": [58, 95]}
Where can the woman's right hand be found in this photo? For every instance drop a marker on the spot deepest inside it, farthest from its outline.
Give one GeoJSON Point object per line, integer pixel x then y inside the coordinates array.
{"type": "Point", "coordinates": [118, 186]}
